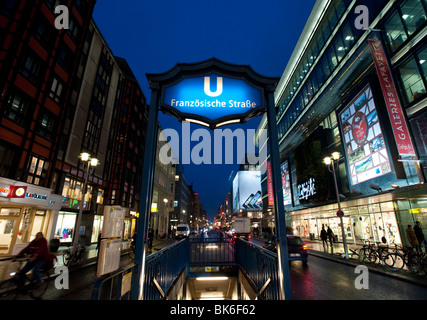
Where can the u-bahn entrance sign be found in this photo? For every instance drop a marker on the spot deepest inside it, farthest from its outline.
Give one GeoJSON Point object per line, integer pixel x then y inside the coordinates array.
{"type": "Point", "coordinates": [212, 93]}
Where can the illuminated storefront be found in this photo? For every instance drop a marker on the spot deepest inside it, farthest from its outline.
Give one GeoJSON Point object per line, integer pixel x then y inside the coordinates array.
{"type": "Point", "coordinates": [361, 93]}
{"type": "Point", "coordinates": [25, 210]}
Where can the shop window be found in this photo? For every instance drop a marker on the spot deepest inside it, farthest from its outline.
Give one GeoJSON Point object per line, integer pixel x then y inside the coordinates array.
{"type": "Point", "coordinates": [411, 81]}
{"type": "Point", "coordinates": [10, 212]}
{"type": "Point", "coordinates": [65, 226]}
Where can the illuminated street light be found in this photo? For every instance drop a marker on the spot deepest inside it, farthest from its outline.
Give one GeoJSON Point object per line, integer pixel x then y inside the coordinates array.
{"type": "Point", "coordinates": [91, 162]}
{"type": "Point", "coordinates": [332, 164]}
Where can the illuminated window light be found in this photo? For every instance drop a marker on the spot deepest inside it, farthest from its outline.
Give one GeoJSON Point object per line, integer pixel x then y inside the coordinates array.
{"type": "Point", "coordinates": [211, 278]}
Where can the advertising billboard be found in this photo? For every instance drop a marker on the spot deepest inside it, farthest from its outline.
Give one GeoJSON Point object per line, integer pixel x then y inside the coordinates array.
{"type": "Point", "coordinates": [247, 191]}
{"type": "Point", "coordinates": [367, 156]}
{"type": "Point", "coordinates": [286, 183]}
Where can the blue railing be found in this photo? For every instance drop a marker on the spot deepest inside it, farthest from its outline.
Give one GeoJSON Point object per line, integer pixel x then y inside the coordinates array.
{"type": "Point", "coordinates": [259, 266]}
{"type": "Point", "coordinates": [115, 286]}
{"type": "Point", "coordinates": [261, 269]}
{"type": "Point", "coordinates": [163, 267]}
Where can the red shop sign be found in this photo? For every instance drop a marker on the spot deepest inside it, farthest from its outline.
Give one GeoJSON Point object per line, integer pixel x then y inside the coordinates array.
{"type": "Point", "coordinates": [394, 108]}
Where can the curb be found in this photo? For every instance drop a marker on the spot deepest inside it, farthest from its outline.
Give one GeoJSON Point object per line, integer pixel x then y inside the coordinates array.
{"type": "Point", "coordinates": [353, 263]}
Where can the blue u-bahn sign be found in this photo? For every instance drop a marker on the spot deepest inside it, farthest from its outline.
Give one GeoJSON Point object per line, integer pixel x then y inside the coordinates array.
{"type": "Point", "coordinates": [213, 97]}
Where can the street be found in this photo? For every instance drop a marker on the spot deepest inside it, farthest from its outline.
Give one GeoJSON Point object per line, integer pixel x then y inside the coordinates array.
{"type": "Point", "coordinates": [322, 279]}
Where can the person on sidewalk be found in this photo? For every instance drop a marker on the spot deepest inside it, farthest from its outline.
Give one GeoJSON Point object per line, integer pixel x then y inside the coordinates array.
{"type": "Point", "coordinates": [420, 235]}
{"type": "Point", "coordinates": [330, 235]}
{"type": "Point", "coordinates": [412, 238]}
{"type": "Point", "coordinates": [150, 238]}
{"type": "Point", "coordinates": [324, 237]}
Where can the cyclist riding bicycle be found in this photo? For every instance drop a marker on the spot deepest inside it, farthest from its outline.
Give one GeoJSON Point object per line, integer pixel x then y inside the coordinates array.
{"type": "Point", "coordinates": [39, 255]}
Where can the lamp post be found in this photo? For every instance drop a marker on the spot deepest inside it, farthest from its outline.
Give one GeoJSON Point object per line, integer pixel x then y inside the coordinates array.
{"type": "Point", "coordinates": [332, 164]}
{"type": "Point", "coordinates": [91, 162]}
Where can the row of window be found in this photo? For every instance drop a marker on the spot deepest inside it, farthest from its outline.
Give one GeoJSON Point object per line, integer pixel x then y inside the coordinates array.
{"type": "Point", "coordinates": [404, 20]}
{"type": "Point", "coordinates": [338, 48]}
{"type": "Point", "coordinates": [412, 73]}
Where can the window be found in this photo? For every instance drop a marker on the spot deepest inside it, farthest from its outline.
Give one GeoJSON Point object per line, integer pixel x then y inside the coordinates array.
{"type": "Point", "coordinates": [6, 159]}
{"type": "Point", "coordinates": [56, 91]}
{"type": "Point", "coordinates": [411, 81]}
{"type": "Point", "coordinates": [413, 15]}
{"type": "Point", "coordinates": [44, 32]}
{"type": "Point", "coordinates": [8, 7]}
{"type": "Point", "coordinates": [36, 168]}
{"type": "Point", "coordinates": [65, 57]}
{"type": "Point", "coordinates": [17, 106]}
{"type": "Point", "coordinates": [403, 22]}
{"type": "Point", "coordinates": [74, 29]}
{"type": "Point", "coordinates": [46, 124]}
{"type": "Point", "coordinates": [31, 67]}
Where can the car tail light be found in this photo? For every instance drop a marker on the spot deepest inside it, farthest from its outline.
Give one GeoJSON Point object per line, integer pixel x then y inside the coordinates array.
{"type": "Point", "coordinates": [304, 247]}
{"type": "Point", "coordinates": [249, 236]}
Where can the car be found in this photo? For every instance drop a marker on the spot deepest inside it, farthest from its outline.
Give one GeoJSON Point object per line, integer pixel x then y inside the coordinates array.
{"type": "Point", "coordinates": [182, 231]}
{"type": "Point", "coordinates": [297, 249]}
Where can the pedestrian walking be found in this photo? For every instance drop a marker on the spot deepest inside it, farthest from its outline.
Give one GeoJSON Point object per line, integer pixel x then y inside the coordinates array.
{"type": "Point", "coordinates": [150, 238]}
{"type": "Point", "coordinates": [330, 235]}
{"type": "Point", "coordinates": [324, 236]}
{"type": "Point", "coordinates": [420, 235]}
{"type": "Point", "coordinates": [412, 238]}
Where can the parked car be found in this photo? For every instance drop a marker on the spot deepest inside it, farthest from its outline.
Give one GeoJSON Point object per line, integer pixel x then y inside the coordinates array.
{"type": "Point", "coordinates": [297, 249]}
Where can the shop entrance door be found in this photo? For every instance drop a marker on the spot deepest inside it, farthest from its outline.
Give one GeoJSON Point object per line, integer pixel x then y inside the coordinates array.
{"type": "Point", "coordinates": [8, 231]}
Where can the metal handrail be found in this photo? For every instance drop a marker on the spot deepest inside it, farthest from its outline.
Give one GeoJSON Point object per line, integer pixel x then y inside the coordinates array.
{"type": "Point", "coordinates": [114, 282]}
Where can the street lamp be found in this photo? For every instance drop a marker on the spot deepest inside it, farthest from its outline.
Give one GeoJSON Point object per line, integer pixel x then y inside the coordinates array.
{"type": "Point", "coordinates": [332, 164]}
{"type": "Point", "coordinates": [91, 162]}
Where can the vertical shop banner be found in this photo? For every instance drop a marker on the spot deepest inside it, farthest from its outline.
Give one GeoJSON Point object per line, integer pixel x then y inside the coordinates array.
{"type": "Point", "coordinates": [394, 108]}
{"type": "Point", "coordinates": [270, 185]}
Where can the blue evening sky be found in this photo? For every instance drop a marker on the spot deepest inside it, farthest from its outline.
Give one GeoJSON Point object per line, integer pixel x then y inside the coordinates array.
{"type": "Point", "coordinates": [155, 35]}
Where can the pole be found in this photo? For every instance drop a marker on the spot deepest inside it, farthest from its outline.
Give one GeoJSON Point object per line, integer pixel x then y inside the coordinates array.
{"type": "Point", "coordinates": [339, 208]}
{"type": "Point", "coordinates": [79, 215]}
{"type": "Point", "coordinates": [279, 207]}
{"type": "Point", "coordinates": [137, 289]}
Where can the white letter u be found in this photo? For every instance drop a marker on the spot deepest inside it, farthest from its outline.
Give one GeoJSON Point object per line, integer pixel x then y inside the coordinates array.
{"type": "Point", "coordinates": [218, 87]}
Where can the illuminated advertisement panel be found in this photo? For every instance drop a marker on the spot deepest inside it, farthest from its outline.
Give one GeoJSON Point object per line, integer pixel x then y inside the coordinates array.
{"type": "Point", "coordinates": [364, 143]}
{"type": "Point", "coordinates": [286, 183]}
{"type": "Point", "coordinates": [247, 191]}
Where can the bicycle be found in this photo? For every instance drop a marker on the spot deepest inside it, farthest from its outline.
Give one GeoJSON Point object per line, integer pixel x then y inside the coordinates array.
{"type": "Point", "coordinates": [398, 259]}
{"type": "Point", "coordinates": [416, 261]}
{"type": "Point", "coordinates": [69, 257]}
{"type": "Point", "coordinates": [381, 254]}
{"type": "Point", "coordinates": [23, 284]}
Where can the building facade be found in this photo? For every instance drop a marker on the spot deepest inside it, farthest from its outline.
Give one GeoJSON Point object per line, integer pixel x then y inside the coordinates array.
{"type": "Point", "coordinates": [40, 77]}
{"type": "Point", "coordinates": [331, 98]}
{"type": "Point", "coordinates": [64, 93]}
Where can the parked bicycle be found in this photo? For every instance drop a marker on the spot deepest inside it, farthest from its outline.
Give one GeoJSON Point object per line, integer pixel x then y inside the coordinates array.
{"type": "Point", "coordinates": [416, 261]}
{"type": "Point", "coordinates": [69, 257]}
{"type": "Point", "coordinates": [23, 284]}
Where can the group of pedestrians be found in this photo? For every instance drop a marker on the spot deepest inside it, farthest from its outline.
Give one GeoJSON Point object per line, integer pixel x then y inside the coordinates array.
{"type": "Point", "coordinates": [326, 235]}
{"type": "Point", "coordinates": [416, 237]}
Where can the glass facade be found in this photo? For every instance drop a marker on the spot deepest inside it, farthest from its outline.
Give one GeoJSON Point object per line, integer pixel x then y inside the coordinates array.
{"type": "Point", "coordinates": [334, 38]}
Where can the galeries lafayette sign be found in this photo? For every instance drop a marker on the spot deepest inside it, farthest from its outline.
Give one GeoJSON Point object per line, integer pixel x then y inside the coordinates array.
{"type": "Point", "coordinates": [394, 108]}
